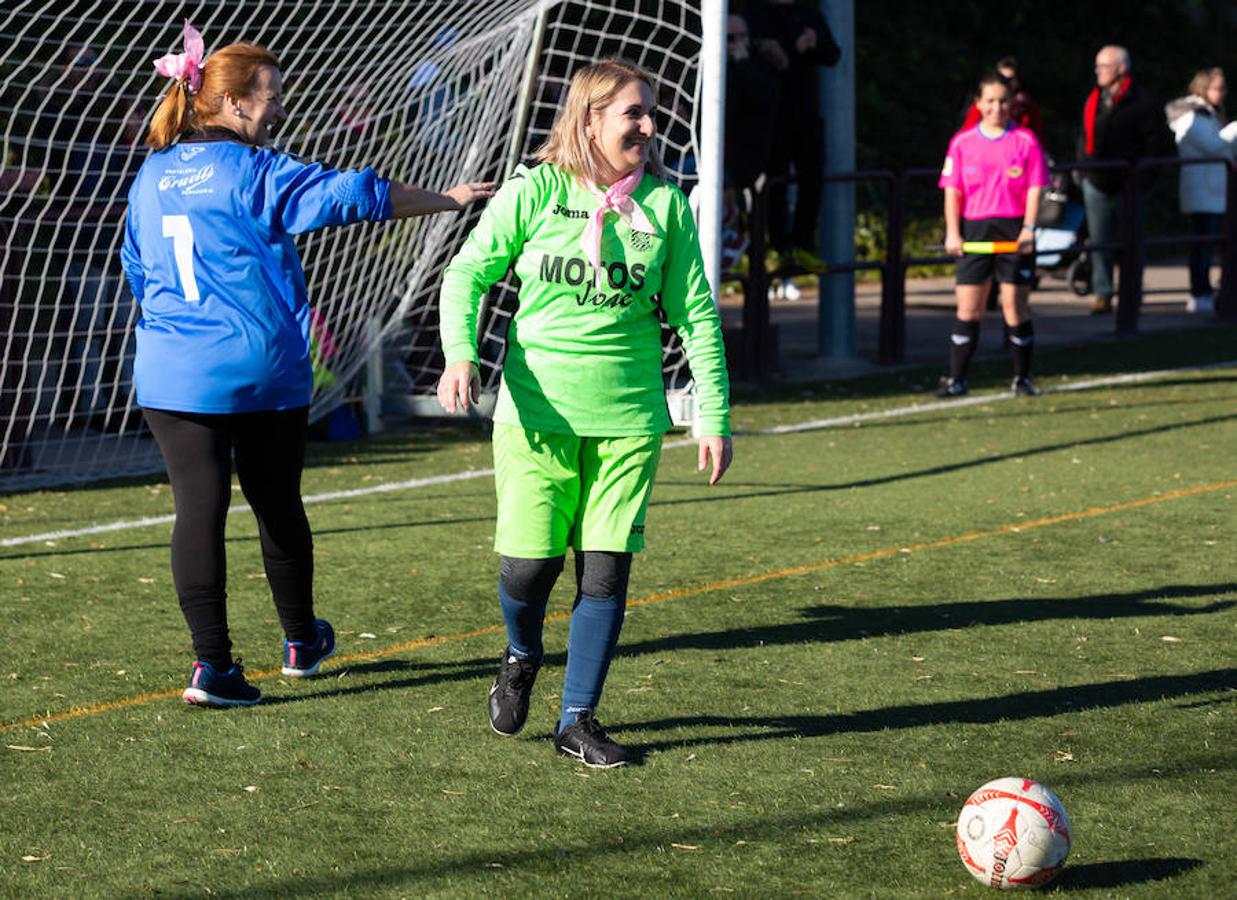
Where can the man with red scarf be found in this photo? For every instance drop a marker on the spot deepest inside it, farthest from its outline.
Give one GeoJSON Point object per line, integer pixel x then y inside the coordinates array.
{"type": "Point", "coordinates": [1119, 121]}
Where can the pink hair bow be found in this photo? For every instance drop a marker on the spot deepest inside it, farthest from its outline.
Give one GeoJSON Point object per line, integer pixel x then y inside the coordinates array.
{"type": "Point", "coordinates": [185, 67]}
{"type": "Point", "coordinates": [616, 198]}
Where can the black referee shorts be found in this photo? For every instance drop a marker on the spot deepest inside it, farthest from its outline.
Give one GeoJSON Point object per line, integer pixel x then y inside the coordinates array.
{"type": "Point", "coordinates": [1007, 268]}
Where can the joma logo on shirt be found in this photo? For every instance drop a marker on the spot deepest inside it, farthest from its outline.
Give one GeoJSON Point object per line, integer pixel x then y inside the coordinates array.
{"type": "Point", "coordinates": [560, 210]}
{"type": "Point", "coordinates": [576, 271]}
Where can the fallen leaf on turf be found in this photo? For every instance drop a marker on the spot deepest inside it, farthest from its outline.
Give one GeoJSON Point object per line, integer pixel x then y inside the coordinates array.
{"type": "Point", "coordinates": [685, 846]}
{"type": "Point", "coordinates": [30, 858]}
{"type": "Point", "coordinates": [453, 793]}
{"type": "Point", "coordinates": [493, 866]}
{"type": "Point", "coordinates": [1062, 756]}
{"type": "Point", "coordinates": [1169, 639]}
{"type": "Point", "coordinates": [436, 709]}
{"type": "Point", "coordinates": [842, 840]}
{"type": "Point", "coordinates": [918, 658]}
{"type": "Point", "coordinates": [251, 788]}
{"type": "Point", "coordinates": [25, 749]}
{"type": "Point", "coordinates": [227, 851]}
{"type": "Point", "coordinates": [885, 787]}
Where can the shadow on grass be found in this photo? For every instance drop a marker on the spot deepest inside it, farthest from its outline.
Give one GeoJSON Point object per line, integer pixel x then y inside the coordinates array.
{"type": "Point", "coordinates": [988, 413]}
{"type": "Point", "coordinates": [829, 623]}
{"type": "Point", "coordinates": [615, 837]}
{"type": "Point", "coordinates": [416, 675]}
{"type": "Point", "coordinates": [982, 711]}
{"type": "Point", "coordinates": [782, 489]}
{"type": "Point", "coordinates": [1121, 873]}
{"type": "Point", "coordinates": [934, 470]}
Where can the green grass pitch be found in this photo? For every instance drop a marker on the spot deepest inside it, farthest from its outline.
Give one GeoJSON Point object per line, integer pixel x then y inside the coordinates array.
{"type": "Point", "coordinates": [824, 655]}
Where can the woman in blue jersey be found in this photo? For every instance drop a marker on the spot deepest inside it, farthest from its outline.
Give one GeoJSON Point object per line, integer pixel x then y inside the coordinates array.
{"type": "Point", "coordinates": [222, 364]}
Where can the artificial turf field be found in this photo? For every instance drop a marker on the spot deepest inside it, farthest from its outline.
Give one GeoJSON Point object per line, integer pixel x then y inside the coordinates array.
{"type": "Point", "coordinates": [823, 656]}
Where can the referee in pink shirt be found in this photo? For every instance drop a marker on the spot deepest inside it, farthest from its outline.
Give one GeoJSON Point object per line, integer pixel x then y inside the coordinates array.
{"type": "Point", "coordinates": [992, 179]}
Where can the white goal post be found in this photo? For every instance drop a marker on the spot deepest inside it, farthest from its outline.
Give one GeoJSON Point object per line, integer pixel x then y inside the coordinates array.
{"type": "Point", "coordinates": [430, 91]}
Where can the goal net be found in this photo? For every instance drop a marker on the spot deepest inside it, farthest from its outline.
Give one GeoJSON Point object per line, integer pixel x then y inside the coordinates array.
{"type": "Point", "coordinates": [429, 92]}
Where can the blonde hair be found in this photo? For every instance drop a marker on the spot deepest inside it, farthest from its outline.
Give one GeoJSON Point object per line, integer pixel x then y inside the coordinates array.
{"type": "Point", "coordinates": [229, 72]}
{"type": "Point", "coordinates": [592, 89]}
{"type": "Point", "coordinates": [1202, 80]}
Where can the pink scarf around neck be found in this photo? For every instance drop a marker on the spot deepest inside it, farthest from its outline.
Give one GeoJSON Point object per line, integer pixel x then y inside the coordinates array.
{"type": "Point", "coordinates": [616, 198]}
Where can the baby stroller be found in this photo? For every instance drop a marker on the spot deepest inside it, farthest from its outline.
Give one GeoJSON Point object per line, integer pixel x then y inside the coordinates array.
{"type": "Point", "coordinates": [1061, 229]}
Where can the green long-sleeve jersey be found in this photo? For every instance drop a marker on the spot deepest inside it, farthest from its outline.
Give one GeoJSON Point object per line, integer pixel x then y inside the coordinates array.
{"type": "Point", "coordinates": [584, 355]}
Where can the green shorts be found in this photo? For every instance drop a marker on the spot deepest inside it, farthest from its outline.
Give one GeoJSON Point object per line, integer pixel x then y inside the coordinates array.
{"type": "Point", "coordinates": [561, 490]}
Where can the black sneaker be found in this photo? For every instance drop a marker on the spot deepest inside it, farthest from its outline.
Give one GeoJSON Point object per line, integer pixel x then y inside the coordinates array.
{"type": "Point", "coordinates": [588, 742]}
{"type": "Point", "coordinates": [509, 695]}
{"type": "Point", "coordinates": [1024, 387]}
{"type": "Point", "coordinates": [951, 387]}
{"type": "Point", "coordinates": [210, 687]}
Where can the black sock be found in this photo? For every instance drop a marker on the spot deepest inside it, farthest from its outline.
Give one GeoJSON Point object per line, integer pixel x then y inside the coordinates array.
{"type": "Point", "coordinates": [1021, 345]}
{"type": "Point", "coordinates": [962, 344]}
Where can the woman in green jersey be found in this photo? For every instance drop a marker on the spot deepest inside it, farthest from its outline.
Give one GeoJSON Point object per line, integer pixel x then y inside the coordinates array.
{"type": "Point", "coordinates": [600, 241]}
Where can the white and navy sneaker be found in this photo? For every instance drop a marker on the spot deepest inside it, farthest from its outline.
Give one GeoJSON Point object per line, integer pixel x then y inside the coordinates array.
{"type": "Point", "coordinates": [951, 387]}
{"type": "Point", "coordinates": [301, 660]}
{"type": "Point", "coordinates": [588, 742]}
{"type": "Point", "coordinates": [1023, 386]}
{"type": "Point", "coordinates": [508, 701]}
{"type": "Point", "coordinates": [210, 687]}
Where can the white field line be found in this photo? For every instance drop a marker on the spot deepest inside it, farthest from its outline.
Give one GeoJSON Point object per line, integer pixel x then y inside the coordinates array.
{"type": "Point", "coordinates": [976, 400]}
{"type": "Point", "coordinates": [813, 425]}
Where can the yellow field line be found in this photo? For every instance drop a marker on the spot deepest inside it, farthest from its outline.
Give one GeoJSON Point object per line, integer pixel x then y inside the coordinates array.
{"type": "Point", "coordinates": [677, 593]}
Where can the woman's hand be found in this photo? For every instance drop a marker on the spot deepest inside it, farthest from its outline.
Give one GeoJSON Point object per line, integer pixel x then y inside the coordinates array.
{"type": "Point", "coordinates": [459, 384]}
{"type": "Point", "coordinates": [471, 191]}
{"type": "Point", "coordinates": [1026, 240]}
{"type": "Point", "coordinates": [953, 243]}
{"type": "Point", "coordinates": [721, 450]}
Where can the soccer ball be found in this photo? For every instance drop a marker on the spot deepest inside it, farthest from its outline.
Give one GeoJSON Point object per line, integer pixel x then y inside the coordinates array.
{"type": "Point", "coordinates": [1013, 833]}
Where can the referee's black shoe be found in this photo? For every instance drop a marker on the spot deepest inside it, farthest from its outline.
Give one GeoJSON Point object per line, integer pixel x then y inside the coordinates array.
{"type": "Point", "coordinates": [588, 742]}
{"type": "Point", "coordinates": [509, 695]}
{"type": "Point", "coordinates": [951, 387]}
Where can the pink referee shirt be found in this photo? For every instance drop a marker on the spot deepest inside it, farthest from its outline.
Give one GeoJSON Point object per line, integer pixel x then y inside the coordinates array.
{"type": "Point", "coordinates": [994, 174]}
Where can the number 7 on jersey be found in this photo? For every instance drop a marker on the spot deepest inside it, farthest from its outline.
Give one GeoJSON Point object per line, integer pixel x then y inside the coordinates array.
{"type": "Point", "coordinates": [181, 232]}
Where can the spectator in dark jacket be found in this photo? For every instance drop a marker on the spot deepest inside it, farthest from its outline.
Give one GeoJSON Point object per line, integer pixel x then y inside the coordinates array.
{"type": "Point", "coordinates": [1023, 110]}
{"type": "Point", "coordinates": [794, 38]}
{"type": "Point", "coordinates": [1119, 121]}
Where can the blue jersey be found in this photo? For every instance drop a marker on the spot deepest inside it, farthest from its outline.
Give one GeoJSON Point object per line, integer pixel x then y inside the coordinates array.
{"type": "Point", "coordinates": [209, 254]}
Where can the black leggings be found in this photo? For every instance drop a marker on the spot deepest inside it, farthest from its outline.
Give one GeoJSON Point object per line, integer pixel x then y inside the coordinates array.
{"type": "Point", "coordinates": [269, 448]}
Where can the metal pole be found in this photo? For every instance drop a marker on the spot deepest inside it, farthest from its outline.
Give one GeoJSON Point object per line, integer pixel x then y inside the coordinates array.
{"type": "Point", "coordinates": [527, 86]}
{"type": "Point", "coordinates": [836, 318]}
{"type": "Point", "coordinates": [892, 341]}
{"type": "Point", "coordinates": [756, 298]}
{"type": "Point", "coordinates": [1129, 295]}
{"type": "Point", "coordinates": [711, 88]}
{"type": "Point", "coordinates": [1226, 298]}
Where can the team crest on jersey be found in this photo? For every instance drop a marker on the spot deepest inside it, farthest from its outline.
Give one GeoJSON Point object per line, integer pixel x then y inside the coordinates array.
{"type": "Point", "coordinates": [189, 152]}
{"type": "Point", "coordinates": [1014, 171]}
{"type": "Point", "coordinates": [641, 241]}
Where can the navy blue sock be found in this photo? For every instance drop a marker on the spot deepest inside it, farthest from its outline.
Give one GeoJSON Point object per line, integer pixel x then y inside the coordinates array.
{"type": "Point", "coordinates": [595, 626]}
{"type": "Point", "coordinates": [524, 624]}
{"type": "Point", "coordinates": [524, 587]}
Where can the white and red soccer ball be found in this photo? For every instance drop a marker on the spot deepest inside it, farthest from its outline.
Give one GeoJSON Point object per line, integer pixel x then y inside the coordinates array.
{"type": "Point", "coordinates": [1013, 833]}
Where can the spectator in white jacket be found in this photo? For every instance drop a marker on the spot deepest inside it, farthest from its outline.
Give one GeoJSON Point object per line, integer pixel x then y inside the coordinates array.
{"type": "Point", "coordinates": [1198, 122]}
